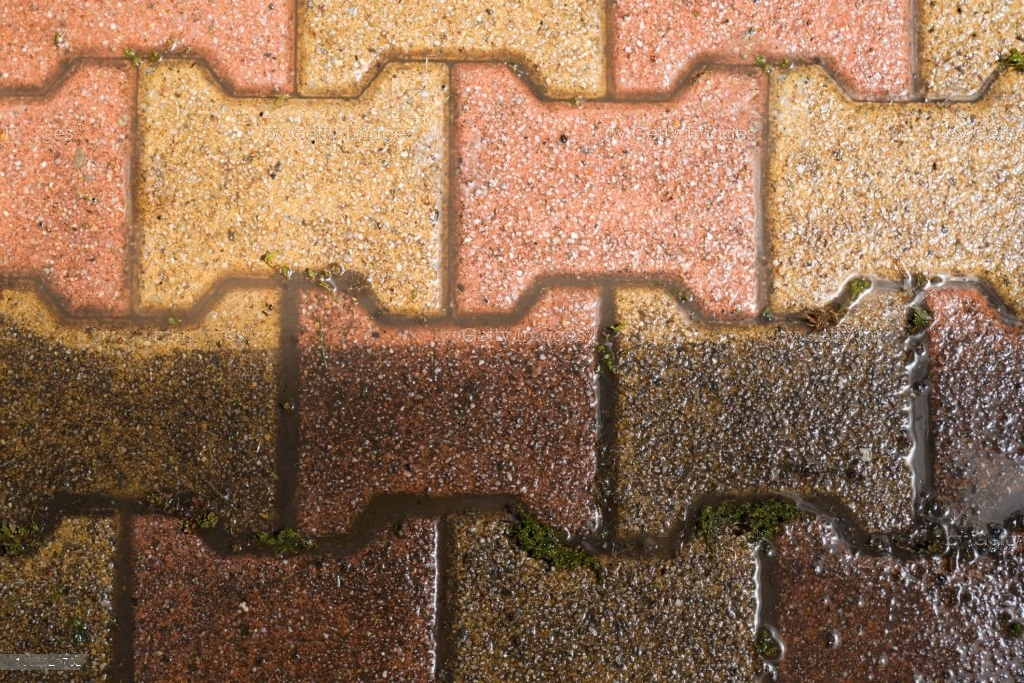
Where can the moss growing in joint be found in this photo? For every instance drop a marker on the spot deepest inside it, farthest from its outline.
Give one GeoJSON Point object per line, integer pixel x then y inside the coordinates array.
{"type": "Point", "coordinates": [858, 286]}
{"type": "Point", "coordinates": [919, 319]}
{"type": "Point", "coordinates": [1013, 60]}
{"type": "Point", "coordinates": [766, 645]}
{"type": "Point", "coordinates": [284, 541]}
{"type": "Point", "coordinates": [759, 520]}
{"type": "Point", "coordinates": [541, 542]}
{"type": "Point", "coordinates": [17, 540]}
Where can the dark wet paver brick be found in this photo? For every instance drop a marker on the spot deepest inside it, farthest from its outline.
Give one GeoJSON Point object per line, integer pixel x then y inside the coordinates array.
{"type": "Point", "coordinates": [623, 188]}
{"type": "Point", "coordinates": [90, 408]}
{"type": "Point", "coordinates": [202, 616]}
{"type": "Point", "coordinates": [863, 617]}
{"type": "Point", "coordinates": [516, 618]}
{"type": "Point", "coordinates": [977, 377]}
{"type": "Point", "coordinates": [249, 43]}
{"type": "Point", "coordinates": [761, 408]}
{"type": "Point", "coordinates": [64, 162]}
{"type": "Point", "coordinates": [867, 44]}
{"type": "Point", "coordinates": [445, 411]}
{"type": "Point", "coordinates": [57, 599]}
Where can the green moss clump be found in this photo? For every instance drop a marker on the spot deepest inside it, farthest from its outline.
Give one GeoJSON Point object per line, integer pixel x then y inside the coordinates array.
{"type": "Point", "coordinates": [1014, 60]}
{"type": "Point", "coordinates": [284, 541]}
{"type": "Point", "coordinates": [759, 520]}
{"type": "Point", "coordinates": [1015, 629]}
{"type": "Point", "coordinates": [919, 319]}
{"type": "Point", "coordinates": [858, 286]}
{"type": "Point", "coordinates": [766, 645]}
{"type": "Point", "coordinates": [541, 542]}
{"type": "Point", "coordinates": [17, 540]}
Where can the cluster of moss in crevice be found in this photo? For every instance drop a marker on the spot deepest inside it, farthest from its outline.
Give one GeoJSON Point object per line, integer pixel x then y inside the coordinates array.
{"type": "Point", "coordinates": [928, 539]}
{"type": "Point", "coordinates": [284, 542]}
{"type": "Point", "coordinates": [541, 542]}
{"type": "Point", "coordinates": [760, 521]}
{"type": "Point", "coordinates": [193, 512]}
{"type": "Point", "coordinates": [16, 539]}
{"type": "Point", "coordinates": [766, 645]}
{"type": "Point", "coordinates": [829, 316]}
{"type": "Point", "coordinates": [1014, 59]}
{"type": "Point", "coordinates": [919, 319]}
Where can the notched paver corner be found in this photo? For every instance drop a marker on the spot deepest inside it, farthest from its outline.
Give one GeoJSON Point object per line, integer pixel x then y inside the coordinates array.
{"type": "Point", "coordinates": [662, 190]}
{"type": "Point", "coordinates": [444, 410]}
{"type": "Point", "coordinates": [225, 181]}
{"type": "Point", "coordinates": [759, 408]}
{"type": "Point", "coordinates": [57, 599]}
{"type": "Point", "coordinates": [367, 616]}
{"type": "Point", "coordinates": [867, 44]}
{"type": "Point", "coordinates": [560, 42]}
{"type": "Point", "coordinates": [961, 43]}
{"type": "Point", "coordinates": [517, 618]}
{"type": "Point", "coordinates": [889, 189]}
{"type": "Point", "coordinates": [91, 408]}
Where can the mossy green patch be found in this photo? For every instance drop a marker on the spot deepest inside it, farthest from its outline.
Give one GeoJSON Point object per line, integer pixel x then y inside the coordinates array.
{"type": "Point", "coordinates": [1013, 60]}
{"type": "Point", "coordinates": [17, 540]}
{"type": "Point", "coordinates": [919, 319]}
{"type": "Point", "coordinates": [759, 520]}
{"type": "Point", "coordinates": [766, 645]}
{"type": "Point", "coordinates": [285, 541]}
{"type": "Point", "coordinates": [541, 542]}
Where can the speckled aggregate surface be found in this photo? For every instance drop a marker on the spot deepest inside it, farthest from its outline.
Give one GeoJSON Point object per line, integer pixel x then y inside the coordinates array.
{"type": "Point", "coordinates": [960, 43]}
{"type": "Point", "coordinates": [357, 183]}
{"type": "Point", "coordinates": [64, 165]}
{"type": "Point", "coordinates": [662, 190]}
{"type": "Point", "coordinates": [881, 189]}
{"type": "Point", "coordinates": [504, 410]}
{"type": "Point", "coordinates": [516, 618]}
{"type": "Point", "coordinates": [865, 43]}
{"type": "Point", "coordinates": [59, 599]}
{"type": "Point", "coordinates": [754, 409]}
{"type": "Point", "coordinates": [976, 365]}
{"type": "Point", "coordinates": [560, 42]}
{"type": "Point", "coordinates": [103, 410]}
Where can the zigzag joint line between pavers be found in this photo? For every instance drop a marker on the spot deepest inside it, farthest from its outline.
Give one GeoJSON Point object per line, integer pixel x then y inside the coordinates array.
{"type": "Point", "coordinates": [887, 189]}
{"type": "Point", "coordinates": [759, 409]}
{"type": "Point", "coordinates": [225, 181]}
{"type": "Point", "coordinates": [561, 42]}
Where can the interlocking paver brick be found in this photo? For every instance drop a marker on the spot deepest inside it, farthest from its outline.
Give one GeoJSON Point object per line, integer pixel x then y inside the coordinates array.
{"type": "Point", "coordinates": [975, 365]}
{"type": "Point", "coordinates": [249, 43]}
{"type": "Point", "coordinates": [867, 44]}
{"type": "Point", "coordinates": [709, 408]}
{"type": "Point", "coordinates": [517, 619]}
{"type": "Point", "coordinates": [447, 410]}
{"type": "Point", "coordinates": [863, 617]}
{"type": "Point", "coordinates": [870, 188]}
{"type": "Point", "coordinates": [631, 189]}
{"type": "Point", "coordinates": [561, 42]}
{"type": "Point", "coordinates": [960, 43]}
{"type": "Point", "coordinates": [224, 181]}
{"type": "Point", "coordinates": [64, 161]}
{"type": "Point", "coordinates": [93, 409]}
{"type": "Point", "coordinates": [199, 615]}
{"type": "Point", "coordinates": [58, 598]}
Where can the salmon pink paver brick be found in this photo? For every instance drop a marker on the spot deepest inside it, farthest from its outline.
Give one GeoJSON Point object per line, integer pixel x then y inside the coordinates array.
{"type": "Point", "coordinates": [249, 43]}
{"type": "Point", "coordinates": [64, 161]}
{"type": "Point", "coordinates": [865, 43]}
{"type": "Point", "coordinates": [663, 190]}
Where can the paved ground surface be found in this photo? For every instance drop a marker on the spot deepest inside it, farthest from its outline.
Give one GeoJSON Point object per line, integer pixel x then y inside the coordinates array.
{"type": "Point", "coordinates": [657, 340]}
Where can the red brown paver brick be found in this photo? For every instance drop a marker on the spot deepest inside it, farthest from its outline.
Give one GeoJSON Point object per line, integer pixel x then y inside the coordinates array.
{"type": "Point", "coordinates": [249, 43]}
{"type": "Point", "coordinates": [64, 161]}
{"type": "Point", "coordinates": [91, 408]}
{"type": "Point", "coordinates": [57, 599]}
{"type": "Point", "coordinates": [867, 44]}
{"type": "Point", "coordinates": [867, 617]}
{"type": "Point", "coordinates": [976, 365]}
{"type": "Point", "coordinates": [203, 616]}
{"type": "Point", "coordinates": [560, 42]}
{"type": "Point", "coordinates": [658, 189]}
{"type": "Point", "coordinates": [444, 410]}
